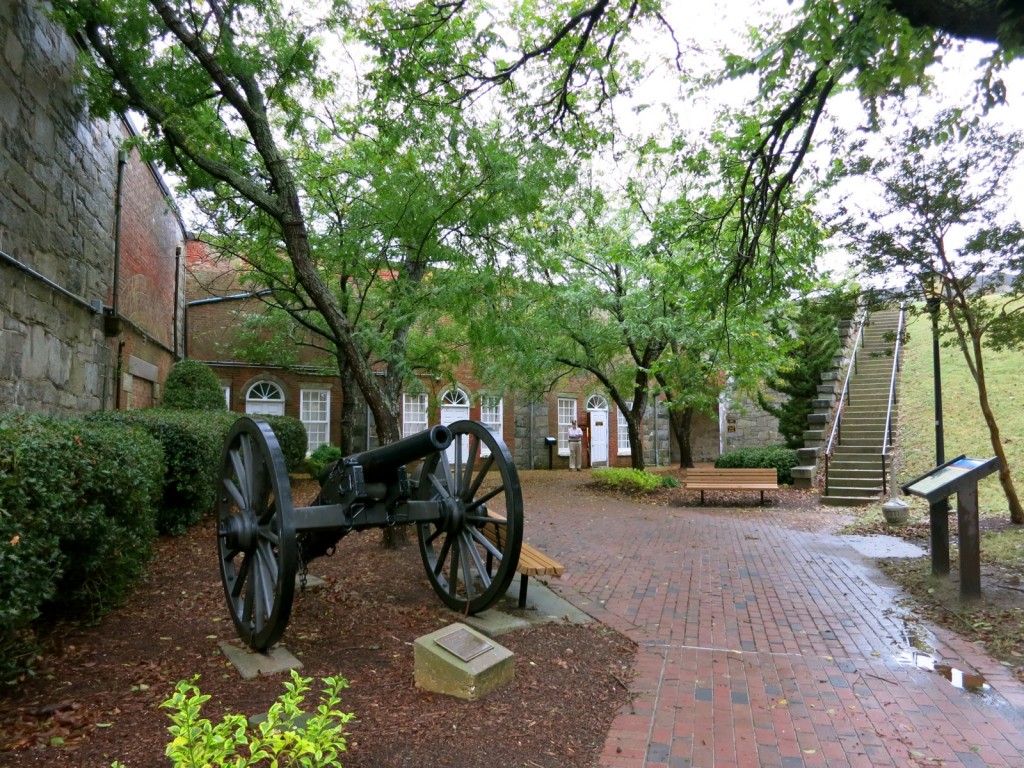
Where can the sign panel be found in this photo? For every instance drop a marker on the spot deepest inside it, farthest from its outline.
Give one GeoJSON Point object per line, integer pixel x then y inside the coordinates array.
{"type": "Point", "coordinates": [945, 480]}
{"type": "Point", "coordinates": [464, 644]}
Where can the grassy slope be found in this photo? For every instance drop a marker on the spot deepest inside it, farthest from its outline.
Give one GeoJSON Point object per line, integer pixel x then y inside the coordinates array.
{"type": "Point", "coordinates": [964, 426]}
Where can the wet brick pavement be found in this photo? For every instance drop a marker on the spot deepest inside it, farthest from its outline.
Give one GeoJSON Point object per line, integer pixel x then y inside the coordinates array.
{"type": "Point", "coordinates": [763, 641]}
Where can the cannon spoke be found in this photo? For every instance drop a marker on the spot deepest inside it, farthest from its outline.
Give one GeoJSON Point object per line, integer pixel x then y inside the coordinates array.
{"type": "Point", "coordinates": [458, 553]}
{"type": "Point", "coordinates": [256, 534]}
{"type": "Point", "coordinates": [468, 464]}
{"type": "Point", "coordinates": [483, 541]}
{"type": "Point", "coordinates": [477, 503]}
{"type": "Point", "coordinates": [482, 475]}
{"type": "Point", "coordinates": [478, 562]}
{"type": "Point", "coordinates": [442, 557]}
{"type": "Point", "coordinates": [234, 493]}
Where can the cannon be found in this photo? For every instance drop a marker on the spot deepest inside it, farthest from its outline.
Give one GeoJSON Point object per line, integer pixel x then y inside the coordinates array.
{"type": "Point", "coordinates": [468, 511]}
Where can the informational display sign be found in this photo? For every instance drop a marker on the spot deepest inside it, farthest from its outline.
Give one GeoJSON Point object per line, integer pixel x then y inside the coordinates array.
{"type": "Point", "coordinates": [945, 480]}
{"type": "Point", "coordinates": [959, 476]}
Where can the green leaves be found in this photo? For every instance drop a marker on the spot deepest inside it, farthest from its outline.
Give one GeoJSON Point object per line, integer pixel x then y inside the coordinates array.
{"type": "Point", "coordinates": [287, 736]}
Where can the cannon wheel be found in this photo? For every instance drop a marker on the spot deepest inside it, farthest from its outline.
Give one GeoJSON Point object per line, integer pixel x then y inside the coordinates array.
{"type": "Point", "coordinates": [256, 534]}
{"type": "Point", "coordinates": [471, 553]}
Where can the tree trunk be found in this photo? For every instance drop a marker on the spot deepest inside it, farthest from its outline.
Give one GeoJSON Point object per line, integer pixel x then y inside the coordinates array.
{"type": "Point", "coordinates": [1005, 479]}
{"type": "Point", "coordinates": [681, 421]}
{"type": "Point", "coordinates": [347, 439]}
{"type": "Point", "coordinates": [636, 441]}
{"type": "Point", "coordinates": [296, 240]}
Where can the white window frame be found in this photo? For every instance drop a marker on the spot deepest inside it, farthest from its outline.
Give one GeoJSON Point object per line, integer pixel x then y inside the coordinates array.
{"type": "Point", "coordinates": [414, 414]}
{"type": "Point", "coordinates": [265, 397]}
{"type": "Point", "coordinates": [227, 396]}
{"type": "Point", "coordinates": [315, 414]}
{"type": "Point", "coordinates": [566, 416]}
{"type": "Point", "coordinates": [492, 412]}
{"type": "Point", "coordinates": [456, 398]}
{"type": "Point", "coordinates": [623, 447]}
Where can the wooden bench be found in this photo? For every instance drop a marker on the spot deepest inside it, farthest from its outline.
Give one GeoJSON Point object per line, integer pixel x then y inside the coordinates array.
{"type": "Point", "coordinates": [714, 479]}
{"type": "Point", "coordinates": [532, 562]}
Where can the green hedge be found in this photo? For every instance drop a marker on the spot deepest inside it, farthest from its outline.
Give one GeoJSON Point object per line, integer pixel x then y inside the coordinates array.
{"type": "Point", "coordinates": [778, 456]}
{"type": "Point", "coordinates": [634, 480]}
{"type": "Point", "coordinates": [318, 460]}
{"type": "Point", "coordinates": [77, 510]}
{"type": "Point", "coordinates": [193, 443]}
{"type": "Point", "coordinates": [192, 385]}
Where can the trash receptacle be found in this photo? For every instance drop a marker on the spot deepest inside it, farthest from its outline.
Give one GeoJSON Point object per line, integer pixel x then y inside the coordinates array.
{"type": "Point", "coordinates": [551, 442]}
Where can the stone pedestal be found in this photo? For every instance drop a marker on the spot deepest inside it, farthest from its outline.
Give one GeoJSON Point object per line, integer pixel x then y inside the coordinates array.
{"type": "Point", "coordinates": [459, 661]}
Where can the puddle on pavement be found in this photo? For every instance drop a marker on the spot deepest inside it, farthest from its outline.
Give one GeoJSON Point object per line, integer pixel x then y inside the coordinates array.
{"type": "Point", "coordinates": [922, 656]}
{"type": "Point", "coordinates": [967, 681]}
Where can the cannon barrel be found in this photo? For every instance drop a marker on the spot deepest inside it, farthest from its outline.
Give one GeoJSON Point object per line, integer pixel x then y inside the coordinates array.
{"type": "Point", "coordinates": [380, 464]}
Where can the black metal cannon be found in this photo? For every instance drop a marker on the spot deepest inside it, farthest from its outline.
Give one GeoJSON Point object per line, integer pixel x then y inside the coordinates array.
{"type": "Point", "coordinates": [468, 511]}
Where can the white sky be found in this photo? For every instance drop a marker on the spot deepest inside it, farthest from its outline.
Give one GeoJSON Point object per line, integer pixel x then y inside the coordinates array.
{"type": "Point", "coordinates": [704, 28]}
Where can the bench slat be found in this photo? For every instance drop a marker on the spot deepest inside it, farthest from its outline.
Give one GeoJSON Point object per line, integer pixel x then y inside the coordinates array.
{"type": "Point", "coordinates": [715, 479]}
{"type": "Point", "coordinates": [532, 562]}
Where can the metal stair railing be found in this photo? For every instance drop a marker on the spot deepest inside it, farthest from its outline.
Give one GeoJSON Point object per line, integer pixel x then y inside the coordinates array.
{"type": "Point", "coordinates": [887, 442]}
{"type": "Point", "coordinates": [836, 436]}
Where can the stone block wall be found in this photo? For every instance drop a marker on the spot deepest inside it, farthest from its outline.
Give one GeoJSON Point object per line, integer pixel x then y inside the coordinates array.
{"type": "Point", "coordinates": [748, 426]}
{"type": "Point", "coordinates": [58, 183]}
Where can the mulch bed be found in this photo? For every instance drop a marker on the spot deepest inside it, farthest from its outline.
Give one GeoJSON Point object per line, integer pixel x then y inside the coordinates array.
{"type": "Point", "coordinates": [97, 692]}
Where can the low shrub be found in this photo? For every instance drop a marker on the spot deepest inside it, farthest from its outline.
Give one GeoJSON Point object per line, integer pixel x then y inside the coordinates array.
{"type": "Point", "coordinates": [779, 457]}
{"type": "Point", "coordinates": [193, 443]}
{"type": "Point", "coordinates": [77, 510]}
{"type": "Point", "coordinates": [318, 460]}
{"type": "Point", "coordinates": [192, 385]}
{"type": "Point", "coordinates": [288, 736]}
{"type": "Point", "coordinates": [291, 436]}
{"type": "Point", "coordinates": [633, 480]}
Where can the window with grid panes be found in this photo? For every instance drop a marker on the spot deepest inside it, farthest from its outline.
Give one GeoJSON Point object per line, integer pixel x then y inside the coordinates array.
{"type": "Point", "coordinates": [566, 416]}
{"type": "Point", "coordinates": [414, 414]}
{"type": "Point", "coordinates": [623, 434]}
{"type": "Point", "coordinates": [315, 414]}
{"type": "Point", "coordinates": [491, 416]}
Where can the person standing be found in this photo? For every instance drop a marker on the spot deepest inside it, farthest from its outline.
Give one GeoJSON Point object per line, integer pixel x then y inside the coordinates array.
{"type": "Point", "coordinates": [575, 436]}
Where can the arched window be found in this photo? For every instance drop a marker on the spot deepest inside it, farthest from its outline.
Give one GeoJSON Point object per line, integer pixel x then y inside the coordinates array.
{"type": "Point", "coordinates": [265, 397]}
{"type": "Point", "coordinates": [456, 398]}
{"type": "Point", "coordinates": [597, 403]}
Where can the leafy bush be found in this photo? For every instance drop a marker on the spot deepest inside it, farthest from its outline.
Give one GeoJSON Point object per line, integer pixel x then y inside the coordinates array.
{"type": "Point", "coordinates": [779, 457]}
{"type": "Point", "coordinates": [77, 510]}
{"type": "Point", "coordinates": [291, 436]}
{"type": "Point", "coordinates": [321, 457]}
{"type": "Point", "coordinates": [192, 385]}
{"type": "Point", "coordinates": [633, 480]}
{"type": "Point", "coordinates": [288, 736]}
{"type": "Point", "coordinates": [193, 443]}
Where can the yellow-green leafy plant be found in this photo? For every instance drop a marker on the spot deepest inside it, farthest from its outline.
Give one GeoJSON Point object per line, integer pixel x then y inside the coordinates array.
{"type": "Point", "coordinates": [287, 738]}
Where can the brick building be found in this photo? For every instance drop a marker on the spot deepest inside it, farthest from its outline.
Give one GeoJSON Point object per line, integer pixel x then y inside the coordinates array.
{"type": "Point", "coordinates": [310, 390]}
{"type": "Point", "coordinates": [91, 248]}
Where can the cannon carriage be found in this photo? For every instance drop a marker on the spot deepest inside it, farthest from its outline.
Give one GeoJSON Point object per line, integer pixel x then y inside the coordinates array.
{"type": "Point", "coordinates": [467, 508]}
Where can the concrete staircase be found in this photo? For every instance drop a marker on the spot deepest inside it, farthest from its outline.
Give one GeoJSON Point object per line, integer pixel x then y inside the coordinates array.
{"type": "Point", "coordinates": [854, 475]}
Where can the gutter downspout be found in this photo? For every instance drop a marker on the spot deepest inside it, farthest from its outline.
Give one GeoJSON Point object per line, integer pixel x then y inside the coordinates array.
{"type": "Point", "coordinates": [176, 314]}
{"type": "Point", "coordinates": [112, 314]}
{"type": "Point", "coordinates": [122, 161]}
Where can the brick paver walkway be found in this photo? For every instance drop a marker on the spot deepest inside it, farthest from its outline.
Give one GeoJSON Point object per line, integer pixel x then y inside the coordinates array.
{"type": "Point", "coordinates": [763, 642]}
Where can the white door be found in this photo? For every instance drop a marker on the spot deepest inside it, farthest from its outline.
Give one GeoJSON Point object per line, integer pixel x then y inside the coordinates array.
{"type": "Point", "coordinates": [455, 407]}
{"type": "Point", "coordinates": [597, 407]}
{"type": "Point", "coordinates": [599, 438]}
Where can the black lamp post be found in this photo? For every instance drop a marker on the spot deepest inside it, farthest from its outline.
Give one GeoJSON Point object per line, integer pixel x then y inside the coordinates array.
{"type": "Point", "coordinates": [938, 512]}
